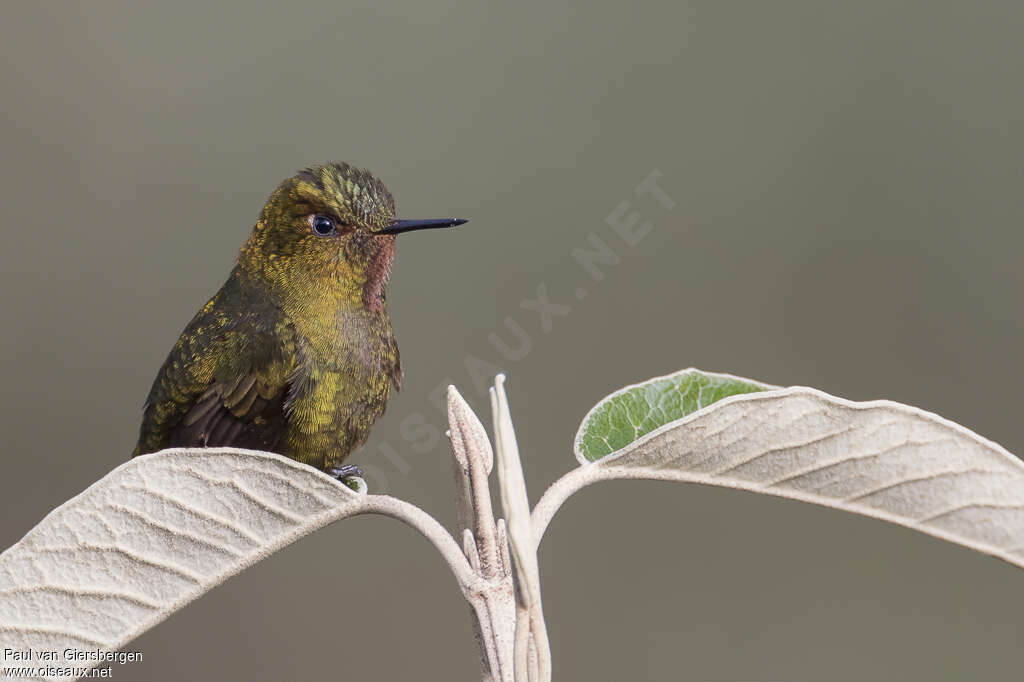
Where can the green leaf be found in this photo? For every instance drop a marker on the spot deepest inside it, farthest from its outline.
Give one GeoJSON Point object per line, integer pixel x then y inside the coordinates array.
{"type": "Point", "coordinates": [634, 411]}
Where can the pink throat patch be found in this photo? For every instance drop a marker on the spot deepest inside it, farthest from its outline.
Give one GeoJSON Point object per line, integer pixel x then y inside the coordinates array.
{"type": "Point", "coordinates": [377, 275]}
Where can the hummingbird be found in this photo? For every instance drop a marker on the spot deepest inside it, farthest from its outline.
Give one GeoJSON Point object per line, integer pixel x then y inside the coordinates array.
{"type": "Point", "coordinates": [295, 353]}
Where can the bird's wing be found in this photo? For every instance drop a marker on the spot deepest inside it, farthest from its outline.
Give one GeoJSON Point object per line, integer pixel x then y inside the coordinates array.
{"type": "Point", "coordinates": [225, 382]}
{"type": "Point", "coordinates": [246, 412]}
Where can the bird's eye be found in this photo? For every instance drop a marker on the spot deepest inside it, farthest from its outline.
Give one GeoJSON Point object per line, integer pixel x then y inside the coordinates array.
{"type": "Point", "coordinates": [322, 225]}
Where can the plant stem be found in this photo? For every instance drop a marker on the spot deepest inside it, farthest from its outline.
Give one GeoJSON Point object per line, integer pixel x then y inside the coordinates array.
{"type": "Point", "coordinates": [430, 528]}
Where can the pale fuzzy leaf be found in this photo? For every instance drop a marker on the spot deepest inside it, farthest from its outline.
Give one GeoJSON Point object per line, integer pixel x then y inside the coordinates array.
{"type": "Point", "coordinates": [514, 500]}
{"type": "Point", "coordinates": [151, 536]}
{"type": "Point", "coordinates": [532, 651]}
{"type": "Point", "coordinates": [880, 459]}
{"type": "Point", "coordinates": [473, 461]}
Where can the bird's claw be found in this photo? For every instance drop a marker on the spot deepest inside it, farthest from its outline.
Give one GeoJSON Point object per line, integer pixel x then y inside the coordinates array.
{"type": "Point", "coordinates": [345, 471]}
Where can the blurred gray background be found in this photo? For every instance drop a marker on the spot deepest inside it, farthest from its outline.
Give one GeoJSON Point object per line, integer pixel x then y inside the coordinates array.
{"type": "Point", "coordinates": [846, 190]}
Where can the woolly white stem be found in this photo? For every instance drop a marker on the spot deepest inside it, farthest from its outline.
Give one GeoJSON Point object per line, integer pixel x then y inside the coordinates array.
{"type": "Point", "coordinates": [431, 529]}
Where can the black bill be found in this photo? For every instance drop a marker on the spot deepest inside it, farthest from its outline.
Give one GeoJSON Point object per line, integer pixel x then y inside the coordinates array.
{"type": "Point", "coordinates": [400, 226]}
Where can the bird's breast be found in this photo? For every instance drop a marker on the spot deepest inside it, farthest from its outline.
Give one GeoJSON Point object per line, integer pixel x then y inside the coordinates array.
{"type": "Point", "coordinates": [356, 344]}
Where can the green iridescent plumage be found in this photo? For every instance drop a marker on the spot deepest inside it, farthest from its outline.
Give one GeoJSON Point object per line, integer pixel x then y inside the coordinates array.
{"type": "Point", "coordinates": [295, 353]}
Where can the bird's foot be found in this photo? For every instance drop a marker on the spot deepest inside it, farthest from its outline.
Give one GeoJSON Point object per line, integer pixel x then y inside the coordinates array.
{"type": "Point", "coordinates": [345, 471]}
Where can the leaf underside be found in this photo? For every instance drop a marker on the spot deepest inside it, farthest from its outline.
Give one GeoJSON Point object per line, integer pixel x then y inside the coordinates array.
{"type": "Point", "coordinates": [880, 459]}
{"type": "Point", "coordinates": [151, 536]}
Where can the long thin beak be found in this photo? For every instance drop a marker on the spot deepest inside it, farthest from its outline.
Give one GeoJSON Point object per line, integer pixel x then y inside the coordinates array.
{"type": "Point", "coordinates": [399, 226]}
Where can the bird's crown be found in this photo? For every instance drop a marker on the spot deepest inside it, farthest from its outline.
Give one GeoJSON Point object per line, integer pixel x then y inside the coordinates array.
{"type": "Point", "coordinates": [355, 196]}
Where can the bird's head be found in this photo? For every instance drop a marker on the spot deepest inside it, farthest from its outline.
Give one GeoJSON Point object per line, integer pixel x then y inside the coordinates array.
{"type": "Point", "coordinates": [329, 229]}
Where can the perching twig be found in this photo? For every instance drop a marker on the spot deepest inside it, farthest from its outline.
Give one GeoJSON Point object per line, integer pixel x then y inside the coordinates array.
{"type": "Point", "coordinates": [229, 508]}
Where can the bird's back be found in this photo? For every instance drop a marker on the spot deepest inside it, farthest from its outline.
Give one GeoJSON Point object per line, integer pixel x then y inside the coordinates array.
{"type": "Point", "coordinates": [225, 380]}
